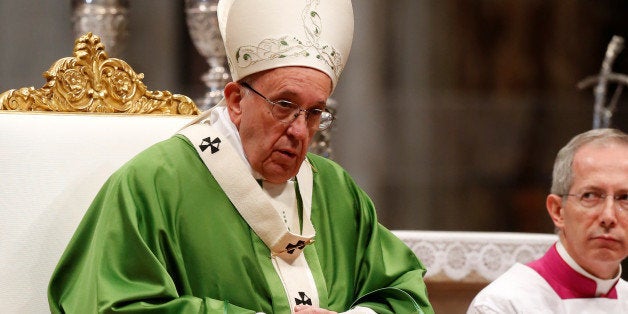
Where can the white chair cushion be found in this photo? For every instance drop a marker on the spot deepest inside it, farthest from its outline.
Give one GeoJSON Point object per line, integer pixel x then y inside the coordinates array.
{"type": "Point", "coordinates": [51, 167]}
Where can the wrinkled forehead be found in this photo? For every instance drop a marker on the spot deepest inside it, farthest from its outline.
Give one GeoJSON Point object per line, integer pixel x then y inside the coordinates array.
{"type": "Point", "coordinates": [603, 161]}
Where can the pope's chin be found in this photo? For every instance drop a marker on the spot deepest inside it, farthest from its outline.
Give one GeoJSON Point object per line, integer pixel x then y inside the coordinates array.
{"type": "Point", "coordinates": [277, 172]}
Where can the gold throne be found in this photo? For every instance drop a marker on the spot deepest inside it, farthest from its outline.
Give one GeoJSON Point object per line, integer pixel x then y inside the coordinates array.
{"type": "Point", "coordinates": [92, 82]}
{"type": "Point", "coordinates": [59, 144]}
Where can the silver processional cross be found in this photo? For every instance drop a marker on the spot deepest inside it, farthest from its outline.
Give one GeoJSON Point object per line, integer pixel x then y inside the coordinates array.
{"type": "Point", "coordinates": [603, 110]}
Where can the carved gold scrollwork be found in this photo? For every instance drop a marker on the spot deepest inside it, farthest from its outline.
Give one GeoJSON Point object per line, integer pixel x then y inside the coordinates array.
{"type": "Point", "coordinates": [92, 82]}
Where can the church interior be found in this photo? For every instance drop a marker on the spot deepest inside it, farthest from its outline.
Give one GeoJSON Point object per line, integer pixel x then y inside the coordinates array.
{"type": "Point", "coordinates": [449, 113]}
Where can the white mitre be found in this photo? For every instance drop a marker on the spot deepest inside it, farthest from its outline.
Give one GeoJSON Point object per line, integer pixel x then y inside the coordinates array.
{"type": "Point", "coordinates": [265, 34]}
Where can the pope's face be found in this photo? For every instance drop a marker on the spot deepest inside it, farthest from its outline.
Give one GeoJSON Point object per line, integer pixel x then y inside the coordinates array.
{"type": "Point", "coordinates": [596, 237]}
{"type": "Point", "coordinates": [276, 149]}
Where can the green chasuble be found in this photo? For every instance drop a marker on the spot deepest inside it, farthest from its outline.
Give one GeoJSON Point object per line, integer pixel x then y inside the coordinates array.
{"type": "Point", "coordinates": [162, 237]}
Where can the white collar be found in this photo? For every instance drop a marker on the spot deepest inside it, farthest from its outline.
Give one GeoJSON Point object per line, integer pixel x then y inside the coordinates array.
{"type": "Point", "coordinates": [219, 119]}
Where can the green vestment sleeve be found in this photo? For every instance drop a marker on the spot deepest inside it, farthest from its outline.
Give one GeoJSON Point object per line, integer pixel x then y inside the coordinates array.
{"type": "Point", "coordinates": [162, 237]}
{"type": "Point", "coordinates": [128, 254]}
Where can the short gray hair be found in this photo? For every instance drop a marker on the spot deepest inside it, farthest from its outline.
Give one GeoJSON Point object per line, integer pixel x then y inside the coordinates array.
{"type": "Point", "coordinates": [562, 176]}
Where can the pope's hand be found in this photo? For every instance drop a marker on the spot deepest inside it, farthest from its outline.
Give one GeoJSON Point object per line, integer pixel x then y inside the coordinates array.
{"type": "Point", "coordinates": [305, 309]}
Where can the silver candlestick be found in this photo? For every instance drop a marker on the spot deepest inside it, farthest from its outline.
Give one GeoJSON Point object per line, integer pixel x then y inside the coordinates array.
{"type": "Point", "coordinates": [106, 18]}
{"type": "Point", "coordinates": [202, 22]}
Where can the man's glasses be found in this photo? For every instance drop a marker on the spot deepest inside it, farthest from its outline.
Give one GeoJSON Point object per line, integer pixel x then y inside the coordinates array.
{"type": "Point", "coordinates": [286, 112]}
{"type": "Point", "coordinates": [595, 199]}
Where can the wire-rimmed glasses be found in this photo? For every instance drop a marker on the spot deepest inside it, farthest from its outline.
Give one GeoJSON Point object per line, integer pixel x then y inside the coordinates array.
{"type": "Point", "coordinates": [286, 111]}
{"type": "Point", "coordinates": [595, 199]}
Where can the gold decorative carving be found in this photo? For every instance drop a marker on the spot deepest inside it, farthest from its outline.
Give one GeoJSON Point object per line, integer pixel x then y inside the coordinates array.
{"type": "Point", "coordinates": [92, 82]}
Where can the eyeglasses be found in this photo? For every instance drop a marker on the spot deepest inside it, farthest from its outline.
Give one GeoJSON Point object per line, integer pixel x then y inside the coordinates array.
{"type": "Point", "coordinates": [595, 199]}
{"type": "Point", "coordinates": [286, 112]}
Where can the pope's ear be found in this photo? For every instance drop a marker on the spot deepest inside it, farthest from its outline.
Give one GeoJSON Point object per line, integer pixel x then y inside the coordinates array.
{"type": "Point", "coordinates": [554, 205]}
{"type": "Point", "coordinates": [233, 96]}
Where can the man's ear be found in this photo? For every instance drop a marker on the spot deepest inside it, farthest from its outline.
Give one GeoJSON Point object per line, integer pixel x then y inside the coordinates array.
{"type": "Point", "coordinates": [554, 205]}
{"type": "Point", "coordinates": [233, 97]}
